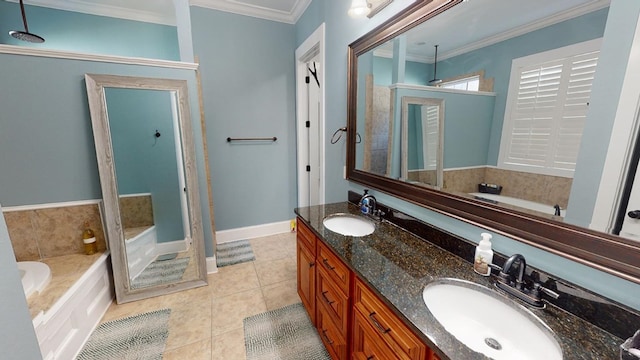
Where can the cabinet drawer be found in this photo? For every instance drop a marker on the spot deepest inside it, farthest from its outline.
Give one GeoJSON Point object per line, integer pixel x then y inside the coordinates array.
{"type": "Point", "coordinates": [334, 341]}
{"type": "Point", "coordinates": [333, 300]}
{"type": "Point", "coordinates": [367, 344]}
{"type": "Point", "coordinates": [306, 237]}
{"type": "Point", "coordinates": [335, 268]}
{"type": "Point", "coordinates": [394, 333]}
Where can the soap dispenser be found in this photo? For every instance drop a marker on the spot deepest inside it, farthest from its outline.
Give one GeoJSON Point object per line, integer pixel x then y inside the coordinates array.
{"type": "Point", "coordinates": [484, 256]}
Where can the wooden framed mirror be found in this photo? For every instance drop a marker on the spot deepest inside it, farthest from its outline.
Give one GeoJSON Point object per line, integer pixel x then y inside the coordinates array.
{"type": "Point", "coordinates": [391, 45]}
{"type": "Point", "coordinates": [146, 159]}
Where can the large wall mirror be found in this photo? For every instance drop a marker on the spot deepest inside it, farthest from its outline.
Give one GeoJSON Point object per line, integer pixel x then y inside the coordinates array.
{"type": "Point", "coordinates": [503, 163]}
{"type": "Point", "coordinates": [146, 159]}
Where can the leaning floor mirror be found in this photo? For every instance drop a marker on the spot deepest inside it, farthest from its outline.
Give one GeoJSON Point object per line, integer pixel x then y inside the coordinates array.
{"type": "Point", "coordinates": [146, 160]}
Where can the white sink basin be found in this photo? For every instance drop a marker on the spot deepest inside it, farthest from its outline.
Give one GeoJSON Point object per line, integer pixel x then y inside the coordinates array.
{"type": "Point", "coordinates": [488, 323]}
{"type": "Point", "coordinates": [349, 225]}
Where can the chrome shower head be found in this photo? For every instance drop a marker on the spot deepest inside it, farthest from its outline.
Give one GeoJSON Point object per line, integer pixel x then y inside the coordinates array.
{"type": "Point", "coordinates": [25, 35]}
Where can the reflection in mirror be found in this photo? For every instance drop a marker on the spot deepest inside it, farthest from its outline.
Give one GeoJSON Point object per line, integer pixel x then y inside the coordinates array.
{"type": "Point", "coordinates": [516, 101]}
{"type": "Point", "coordinates": [152, 231]}
{"type": "Point", "coordinates": [422, 134]}
{"type": "Point", "coordinates": [474, 48]}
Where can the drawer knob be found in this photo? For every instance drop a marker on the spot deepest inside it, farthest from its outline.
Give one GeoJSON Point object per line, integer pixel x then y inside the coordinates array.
{"type": "Point", "coordinates": [372, 316]}
{"type": "Point", "coordinates": [324, 334]}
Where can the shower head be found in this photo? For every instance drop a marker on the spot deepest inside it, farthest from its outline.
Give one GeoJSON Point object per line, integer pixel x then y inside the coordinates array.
{"type": "Point", "coordinates": [25, 35]}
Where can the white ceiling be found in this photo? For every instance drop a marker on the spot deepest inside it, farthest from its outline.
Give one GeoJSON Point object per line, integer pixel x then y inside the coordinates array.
{"type": "Point", "coordinates": [478, 23]}
{"type": "Point", "coordinates": [163, 11]}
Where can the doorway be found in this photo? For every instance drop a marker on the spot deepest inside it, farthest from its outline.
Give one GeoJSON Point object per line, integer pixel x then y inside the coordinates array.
{"type": "Point", "coordinates": [310, 122]}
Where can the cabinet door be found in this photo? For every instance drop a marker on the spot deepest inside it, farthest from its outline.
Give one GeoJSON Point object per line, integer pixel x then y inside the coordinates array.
{"type": "Point", "coordinates": [331, 337]}
{"type": "Point", "coordinates": [388, 326]}
{"type": "Point", "coordinates": [366, 343]}
{"type": "Point", "coordinates": [306, 277]}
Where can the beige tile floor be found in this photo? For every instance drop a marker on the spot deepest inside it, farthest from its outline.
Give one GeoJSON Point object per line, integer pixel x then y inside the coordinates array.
{"type": "Point", "coordinates": [206, 323]}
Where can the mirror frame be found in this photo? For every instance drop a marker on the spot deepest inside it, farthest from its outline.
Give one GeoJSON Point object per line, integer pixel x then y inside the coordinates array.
{"type": "Point", "coordinates": [605, 252]}
{"type": "Point", "coordinates": [96, 85]}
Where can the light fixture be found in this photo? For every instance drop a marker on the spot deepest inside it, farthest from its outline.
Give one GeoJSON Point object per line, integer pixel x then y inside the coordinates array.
{"type": "Point", "coordinates": [359, 9]}
{"type": "Point", "coordinates": [25, 35]}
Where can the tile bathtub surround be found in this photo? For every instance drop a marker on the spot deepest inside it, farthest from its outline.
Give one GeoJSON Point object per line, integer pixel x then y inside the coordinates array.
{"type": "Point", "coordinates": [206, 322]}
{"type": "Point", "coordinates": [136, 211]}
{"type": "Point", "coordinates": [50, 232]}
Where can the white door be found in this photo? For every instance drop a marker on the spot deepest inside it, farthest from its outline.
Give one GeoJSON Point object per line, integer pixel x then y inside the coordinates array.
{"type": "Point", "coordinates": [310, 119]}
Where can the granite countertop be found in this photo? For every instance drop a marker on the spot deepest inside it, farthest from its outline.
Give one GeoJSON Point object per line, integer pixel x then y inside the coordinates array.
{"type": "Point", "coordinates": [398, 265]}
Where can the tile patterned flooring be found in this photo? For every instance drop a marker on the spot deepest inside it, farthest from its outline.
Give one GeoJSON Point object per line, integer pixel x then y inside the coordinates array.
{"type": "Point", "coordinates": [206, 323]}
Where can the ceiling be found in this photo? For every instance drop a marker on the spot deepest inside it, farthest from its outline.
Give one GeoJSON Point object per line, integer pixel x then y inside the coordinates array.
{"type": "Point", "coordinates": [474, 24]}
{"type": "Point", "coordinates": [162, 11]}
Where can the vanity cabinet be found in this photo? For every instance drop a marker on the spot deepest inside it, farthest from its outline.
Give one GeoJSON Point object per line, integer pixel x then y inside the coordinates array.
{"type": "Point", "coordinates": [352, 321]}
{"type": "Point", "coordinates": [306, 273]}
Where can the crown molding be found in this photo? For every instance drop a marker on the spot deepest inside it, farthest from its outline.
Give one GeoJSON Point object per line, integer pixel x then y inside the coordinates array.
{"type": "Point", "coordinates": [106, 10]}
{"type": "Point", "coordinates": [68, 55]}
{"type": "Point", "coordinates": [414, 58]}
{"type": "Point", "coordinates": [236, 7]}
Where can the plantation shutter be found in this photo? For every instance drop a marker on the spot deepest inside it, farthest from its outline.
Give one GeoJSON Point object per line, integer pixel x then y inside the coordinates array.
{"type": "Point", "coordinates": [548, 113]}
{"type": "Point", "coordinates": [431, 119]}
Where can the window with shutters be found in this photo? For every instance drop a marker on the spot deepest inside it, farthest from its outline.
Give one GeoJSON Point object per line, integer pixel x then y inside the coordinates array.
{"type": "Point", "coordinates": [470, 84]}
{"type": "Point", "coordinates": [546, 108]}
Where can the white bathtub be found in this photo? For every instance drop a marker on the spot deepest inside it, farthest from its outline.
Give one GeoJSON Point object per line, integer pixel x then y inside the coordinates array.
{"type": "Point", "coordinates": [35, 276]}
{"type": "Point", "coordinates": [531, 205]}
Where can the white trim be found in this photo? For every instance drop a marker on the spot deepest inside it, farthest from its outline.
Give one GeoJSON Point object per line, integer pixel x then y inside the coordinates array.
{"type": "Point", "coordinates": [212, 266]}
{"type": "Point", "coordinates": [236, 7]}
{"type": "Point", "coordinates": [469, 167]}
{"type": "Point", "coordinates": [171, 247]}
{"type": "Point", "coordinates": [95, 8]}
{"type": "Point", "coordinates": [439, 89]}
{"type": "Point", "coordinates": [625, 130]}
{"type": "Point", "coordinates": [70, 55]}
{"type": "Point", "coordinates": [314, 45]}
{"type": "Point", "coordinates": [50, 205]}
{"type": "Point", "coordinates": [251, 232]}
{"type": "Point", "coordinates": [134, 195]}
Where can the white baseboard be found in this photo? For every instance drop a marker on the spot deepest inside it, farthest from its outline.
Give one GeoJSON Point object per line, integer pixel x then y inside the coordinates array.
{"type": "Point", "coordinates": [212, 267]}
{"type": "Point", "coordinates": [171, 247]}
{"type": "Point", "coordinates": [251, 232]}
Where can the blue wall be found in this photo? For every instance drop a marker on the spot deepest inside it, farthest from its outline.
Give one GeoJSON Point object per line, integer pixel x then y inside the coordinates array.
{"type": "Point", "coordinates": [72, 31]}
{"type": "Point", "coordinates": [342, 30]}
{"type": "Point", "coordinates": [248, 74]}
{"type": "Point", "coordinates": [143, 162]}
{"type": "Point", "coordinates": [415, 73]}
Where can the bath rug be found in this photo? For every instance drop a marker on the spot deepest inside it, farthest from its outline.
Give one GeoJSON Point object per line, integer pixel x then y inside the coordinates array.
{"type": "Point", "coordinates": [283, 334]}
{"type": "Point", "coordinates": [139, 337]}
{"type": "Point", "coordinates": [234, 252]}
{"type": "Point", "coordinates": [161, 272]}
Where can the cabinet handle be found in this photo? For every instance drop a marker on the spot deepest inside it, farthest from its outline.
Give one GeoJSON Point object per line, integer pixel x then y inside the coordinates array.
{"type": "Point", "coordinates": [371, 357]}
{"type": "Point", "coordinates": [326, 298]}
{"type": "Point", "coordinates": [324, 333]}
{"type": "Point", "coordinates": [326, 263]}
{"type": "Point", "coordinates": [377, 324]}
{"type": "Point", "coordinates": [312, 264]}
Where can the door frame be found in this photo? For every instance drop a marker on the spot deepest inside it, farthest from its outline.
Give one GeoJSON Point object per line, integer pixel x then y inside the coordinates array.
{"type": "Point", "coordinates": [313, 46]}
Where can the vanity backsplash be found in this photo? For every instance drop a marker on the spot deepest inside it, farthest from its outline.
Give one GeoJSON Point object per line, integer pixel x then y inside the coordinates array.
{"type": "Point", "coordinates": [612, 317]}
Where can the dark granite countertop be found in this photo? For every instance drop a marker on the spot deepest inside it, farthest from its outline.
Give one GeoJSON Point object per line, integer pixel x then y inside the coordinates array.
{"type": "Point", "coordinates": [398, 265]}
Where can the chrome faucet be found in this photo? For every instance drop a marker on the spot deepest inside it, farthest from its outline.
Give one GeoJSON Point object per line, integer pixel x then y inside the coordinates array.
{"type": "Point", "coordinates": [518, 287]}
{"type": "Point", "coordinates": [368, 203]}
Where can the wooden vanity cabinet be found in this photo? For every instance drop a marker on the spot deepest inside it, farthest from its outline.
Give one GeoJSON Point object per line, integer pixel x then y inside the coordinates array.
{"type": "Point", "coordinates": [353, 323]}
{"type": "Point", "coordinates": [306, 265]}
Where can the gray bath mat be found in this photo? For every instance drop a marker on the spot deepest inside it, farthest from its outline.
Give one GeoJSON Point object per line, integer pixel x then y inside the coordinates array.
{"type": "Point", "coordinates": [161, 272]}
{"type": "Point", "coordinates": [139, 337]}
{"type": "Point", "coordinates": [283, 334]}
{"type": "Point", "coordinates": [234, 252]}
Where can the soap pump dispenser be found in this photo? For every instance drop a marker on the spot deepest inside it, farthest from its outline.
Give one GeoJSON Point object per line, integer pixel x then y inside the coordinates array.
{"type": "Point", "coordinates": [484, 256]}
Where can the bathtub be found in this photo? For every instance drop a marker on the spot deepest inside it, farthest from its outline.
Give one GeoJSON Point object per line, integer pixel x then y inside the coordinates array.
{"type": "Point", "coordinates": [531, 205]}
{"type": "Point", "coordinates": [35, 276]}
